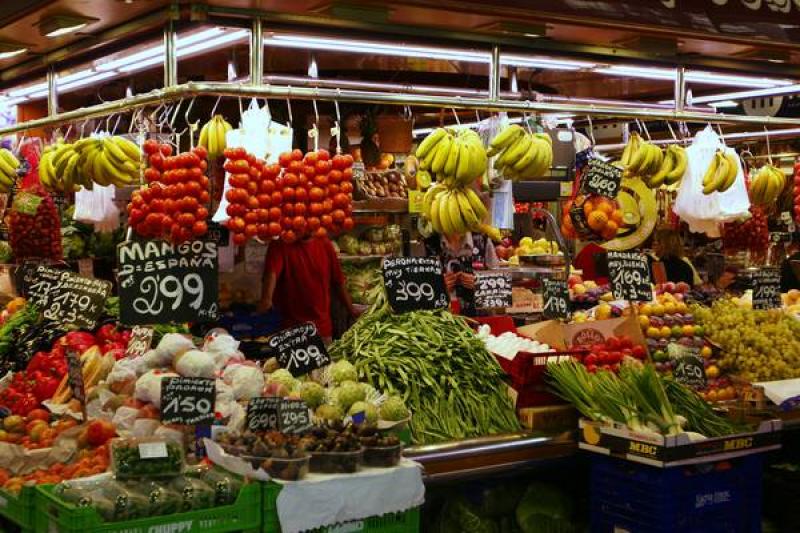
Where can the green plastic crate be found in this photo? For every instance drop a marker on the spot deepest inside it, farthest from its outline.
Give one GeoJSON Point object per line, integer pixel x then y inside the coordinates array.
{"type": "Point", "coordinates": [405, 522]}
{"type": "Point", "coordinates": [19, 508]}
{"type": "Point", "coordinates": [55, 516]}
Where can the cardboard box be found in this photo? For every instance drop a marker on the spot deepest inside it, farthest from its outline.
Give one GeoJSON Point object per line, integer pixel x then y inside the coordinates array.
{"type": "Point", "coordinates": [563, 336]}
{"type": "Point", "coordinates": [548, 331]}
{"type": "Point", "coordinates": [549, 417]}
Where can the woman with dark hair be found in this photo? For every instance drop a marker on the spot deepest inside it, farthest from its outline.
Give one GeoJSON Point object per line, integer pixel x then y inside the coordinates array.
{"type": "Point", "coordinates": [668, 247]}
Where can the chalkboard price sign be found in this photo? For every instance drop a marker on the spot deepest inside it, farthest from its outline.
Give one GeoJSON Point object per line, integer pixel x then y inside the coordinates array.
{"type": "Point", "coordinates": [188, 401]}
{"type": "Point", "coordinates": [602, 178]}
{"type": "Point", "coordinates": [556, 298]}
{"type": "Point", "coordinates": [67, 297]}
{"type": "Point", "coordinates": [688, 365]}
{"type": "Point", "coordinates": [414, 283]}
{"type": "Point", "coordinates": [767, 288]}
{"type": "Point", "coordinates": [141, 339]}
{"type": "Point", "coordinates": [630, 276]}
{"type": "Point", "coordinates": [294, 416]}
{"type": "Point", "coordinates": [300, 349]}
{"type": "Point", "coordinates": [493, 289]}
{"type": "Point", "coordinates": [160, 282]}
{"type": "Point", "coordinates": [263, 414]}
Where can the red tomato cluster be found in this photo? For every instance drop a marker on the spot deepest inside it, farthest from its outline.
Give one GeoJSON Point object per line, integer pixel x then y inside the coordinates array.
{"type": "Point", "coordinates": [752, 234]}
{"type": "Point", "coordinates": [610, 354]}
{"type": "Point", "coordinates": [173, 205]}
{"type": "Point", "coordinates": [302, 195]}
{"type": "Point", "coordinates": [38, 235]}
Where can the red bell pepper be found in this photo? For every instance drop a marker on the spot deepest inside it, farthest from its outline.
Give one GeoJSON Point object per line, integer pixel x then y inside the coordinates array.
{"type": "Point", "coordinates": [46, 387]}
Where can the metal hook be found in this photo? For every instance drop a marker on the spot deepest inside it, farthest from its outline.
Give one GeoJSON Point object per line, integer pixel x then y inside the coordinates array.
{"type": "Point", "coordinates": [591, 129]}
{"type": "Point", "coordinates": [455, 115]}
{"type": "Point", "coordinates": [289, 107]}
{"type": "Point", "coordinates": [116, 124]}
{"type": "Point", "coordinates": [214, 109]}
{"type": "Point", "coordinates": [314, 131]}
{"type": "Point", "coordinates": [69, 129]}
{"type": "Point", "coordinates": [672, 132]}
{"type": "Point", "coordinates": [769, 150]}
{"type": "Point", "coordinates": [241, 110]}
{"type": "Point", "coordinates": [175, 114]}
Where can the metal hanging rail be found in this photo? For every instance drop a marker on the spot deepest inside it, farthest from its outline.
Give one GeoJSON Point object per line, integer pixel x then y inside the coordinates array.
{"type": "Point", "coordinates": [194, 89]}
{"type": "Point", "coordinates": [738, 136]}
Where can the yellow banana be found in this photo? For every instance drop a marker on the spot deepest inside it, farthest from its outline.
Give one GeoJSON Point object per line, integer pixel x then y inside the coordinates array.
{"type": "Point", "coordinates": [454, 210]}
{"type": "Point", "coordinates": [477, 205]}
{"type": "Point", "coordinates": [733, 171]}
{"type": "Point", "coordinates": [429, 142]}
{"type": "Point", "coordinates": [708, 177]}
{"type": "Point", "coordinates": [506, 138]}
{"type": "Point", "coordinates": [441, 155]}
{"type": "Point", "coordinates": [681, 160]}
{"type": "Point", "coordinates": [444, 214]}
{"type": "Point", "coordinates": [467, 213]}
{"type": "Point", "coordinates": [527, 157]}
{"type": "Point", "coordinates": [129, 147]}
{"type": "Point", "coordinates": [434, 217]}
{"type": "Point", "coordinates": [114, 153]}
{"type": "Point", "coordinates": [453, 157]}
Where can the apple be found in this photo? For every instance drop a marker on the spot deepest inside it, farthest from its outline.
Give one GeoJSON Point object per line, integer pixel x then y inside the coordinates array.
{"type": "Point", "coordinates": [682, 287]}
{"type": "Point", "coordinates": [573, 280]}
{"type": "Point", "coordinates": [669, 287]}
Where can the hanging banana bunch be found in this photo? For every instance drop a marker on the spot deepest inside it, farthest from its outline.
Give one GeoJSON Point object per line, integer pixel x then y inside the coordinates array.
{"type": "Point", "coordinates": [456, 159]}
{"type": "Point", "coordinates": [212, 136]}
{"type": "Point", "coordinates": [456, 211]}
{"type": "Point", "coordinates": [721, 172]}
{"type": "Point", "coordinates": [8, 170]}
{"type": "Point", "coordinates": [521, 154]}
{"type": "Point", "coordinates": [653, 166]}
{"type": "Point", "coordinates": [767, 184]}
{"type": "Point", "coordinates": [111, 160]}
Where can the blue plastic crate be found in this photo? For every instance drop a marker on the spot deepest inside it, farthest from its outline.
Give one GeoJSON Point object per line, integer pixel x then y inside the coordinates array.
{"type": "Point", "coordinates": [718, 497]}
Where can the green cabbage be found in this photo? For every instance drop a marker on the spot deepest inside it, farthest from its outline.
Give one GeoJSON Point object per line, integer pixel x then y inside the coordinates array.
{"type": "Point", "coordinates": [312, 393]}
{"type": "Point", "coordinates": [545, 508]}
{"type": "Point", "coordinates": [329, 411]}
{"type": "Point", "coordinates": [394, 409]}
{"type": "Point", "coordinates": [348, 393]}
{"type": "Point", "coordinates": [342, 371]}
{"type": "Point", "coordinates": [73, 244]}
{"type": "Point", "coordinates": [284, 377]}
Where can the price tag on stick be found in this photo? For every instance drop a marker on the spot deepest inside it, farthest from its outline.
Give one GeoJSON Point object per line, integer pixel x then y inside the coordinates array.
{"type": "Point", "coordinates": [161, 282]}
{"type": "Point", "coordinates": [602, 178]}
{"type": "Point", "coordinates": [767, 288]}
{"type": "Point", "coordinates": [294, 416]}
{"type": "Point", "coordinates": [493, 289]}
{"type": "Point", "coordinates": [300, 350]}
{"type": "Point", "coordinates": [630, 276]}
{"type": "Point", "coordinates": [67, 297]}
{"type": "Point", "coordinates": [414, 283]}
{"type": "Point", "coordinates": [556, 298]}
{"type": "Point", "coordinates": [141, 339]}
{"type": "Point", "coordinates": [263, 414]}
{"type": "Point", "coordinates": [188, 401]}
{"type": "Point", "coordinates": [75, 378]}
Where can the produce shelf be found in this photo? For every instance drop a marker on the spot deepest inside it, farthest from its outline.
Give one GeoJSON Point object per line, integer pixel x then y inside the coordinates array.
{"type": "Point", "coordinates": [490, 455]}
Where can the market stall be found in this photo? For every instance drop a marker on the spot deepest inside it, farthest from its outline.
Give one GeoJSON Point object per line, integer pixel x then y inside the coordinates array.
{"type": "Point", "coordinates": [512, 298]}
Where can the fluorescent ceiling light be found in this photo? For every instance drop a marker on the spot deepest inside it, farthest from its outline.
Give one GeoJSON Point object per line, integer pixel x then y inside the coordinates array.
{"type": "Point", "coordinates": [374, 47]}
{"type": "Point", "coordinates": [185, 46]}
{"type": "Point", "coordinates": [544, 62]}
{"type": "Point", "coordinates": [741, 95]}
{"type": "Point", "coordinates": [26, 91]}
{"type": "Point", "coordinates": [58, 25]}
{"type": "Point", "coordinates": [724, 103]}
{"type": "Point", "coordinates": [9, 50]}
{"type": "Point", "coordinates": [695, 76]}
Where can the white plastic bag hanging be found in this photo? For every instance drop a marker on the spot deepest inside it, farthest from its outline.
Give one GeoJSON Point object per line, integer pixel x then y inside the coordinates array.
{"type": "Point", "coordinates": [704, 213]}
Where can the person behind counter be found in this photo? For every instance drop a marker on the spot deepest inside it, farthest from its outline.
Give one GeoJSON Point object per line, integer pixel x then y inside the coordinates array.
{"type": "Point", "coordinates": [461, 255]}
{"type": "Point", "coordinates": [299, 279]}
{"type": "Point", "coordinates": [669, 252]}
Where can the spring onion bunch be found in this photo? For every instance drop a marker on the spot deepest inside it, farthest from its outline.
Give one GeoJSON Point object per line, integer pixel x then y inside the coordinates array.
{"type": "Point", "coordinates": [639, 398]}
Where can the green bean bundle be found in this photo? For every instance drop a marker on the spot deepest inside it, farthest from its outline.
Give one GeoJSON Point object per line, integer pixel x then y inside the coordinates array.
{"type": "Point", "coordinates": [452, 384]}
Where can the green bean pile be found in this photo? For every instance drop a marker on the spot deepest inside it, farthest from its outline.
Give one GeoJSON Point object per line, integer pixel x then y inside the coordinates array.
{"type": "Point", "coordinates": [452, 384]}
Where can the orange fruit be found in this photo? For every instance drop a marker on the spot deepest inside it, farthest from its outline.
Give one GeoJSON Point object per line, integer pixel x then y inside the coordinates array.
{"type": "Point", "coordinates": [617, 216]}
{"type": "Point", "coordinates": [587, 208]}
{"type": "Point", "coordinates": [597, 220]}
{"type": "Point", "coordinates": [606, 206]}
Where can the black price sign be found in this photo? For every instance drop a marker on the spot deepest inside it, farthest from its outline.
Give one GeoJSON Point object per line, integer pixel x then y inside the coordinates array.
{"type": "Point", "coordinates": [780, 236]}
{"type": "Point", "coordinates": [141, 339]}
{"type": "Point", "coordinates": [263, 414]}
{"type": "Point", "coordinates": [630, 276]}
{"type": "Point", "coordinates": [67, 297]}
{"type": "Point", "coordinates": [188, 401]}
{"type": "Point", "coordinates": [602, 178]}
{"type": "Point", "coordinates": [294, 416]}
{"type": "Point", "coordinates": [75, 376]}
{"type": "Point", "coordinates": [414, 283]}
{"type": "Point", "coordinates": [300, 350]}
{"type": "Point", "coordinates": [161, 282]}
{"type": "Point", "coordinates": [767, 288]}
{"type": "Point", "coordinates": [556, 298]}
{"type": "Point", "coordinates": [493, 289]}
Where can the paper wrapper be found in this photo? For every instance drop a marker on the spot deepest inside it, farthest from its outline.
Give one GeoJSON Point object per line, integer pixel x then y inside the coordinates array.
{"type": "Point", "coordinates": [231, 463]}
